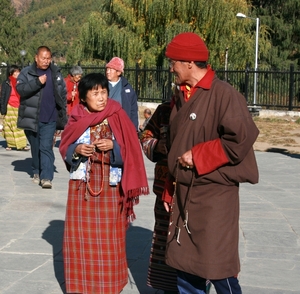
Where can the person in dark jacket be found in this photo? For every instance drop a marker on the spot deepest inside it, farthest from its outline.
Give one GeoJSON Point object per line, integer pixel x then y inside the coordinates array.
{"type": "Point", "coordinates": [42, 111]}
{"type": "Point", "coordinates": [120, 90]}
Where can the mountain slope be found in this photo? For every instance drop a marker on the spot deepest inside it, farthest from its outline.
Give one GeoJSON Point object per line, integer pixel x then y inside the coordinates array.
{"type": "Point", "coordinates": [53, 23]}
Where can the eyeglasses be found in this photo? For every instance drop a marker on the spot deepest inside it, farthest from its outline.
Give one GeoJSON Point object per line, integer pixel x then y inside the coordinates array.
{"type": "Point", "coordinates": [172, 62]}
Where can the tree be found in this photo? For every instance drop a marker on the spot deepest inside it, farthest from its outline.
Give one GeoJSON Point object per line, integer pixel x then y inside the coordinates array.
{"type": "Point", "coordinates": [55, 23]}
{"type": "Point", "coordinates": [283, 19]}
{"type": "Point", "coordinates": [139, 30]}
{"type": "Point", "coordinates": [11, 40]}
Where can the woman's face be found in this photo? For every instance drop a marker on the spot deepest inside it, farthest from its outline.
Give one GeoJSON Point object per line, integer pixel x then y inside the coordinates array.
{"type": "Point", "coordinates": [16, 74]}
{"type": "Point", "coordinates": [96, 99]}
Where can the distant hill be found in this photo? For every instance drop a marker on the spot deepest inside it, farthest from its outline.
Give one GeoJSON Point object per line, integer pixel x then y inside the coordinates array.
{"type": "Point", "coordinates": [53, 23]}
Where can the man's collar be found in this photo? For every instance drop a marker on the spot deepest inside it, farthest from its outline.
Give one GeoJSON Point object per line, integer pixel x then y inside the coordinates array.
{"type": "Point", "coordinates": [206, 81]}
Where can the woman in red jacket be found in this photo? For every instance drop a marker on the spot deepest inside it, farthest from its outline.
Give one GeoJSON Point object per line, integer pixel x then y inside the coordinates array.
{"type": "Point", "coordinates": [10, 102]}
{"type": "Point", "coordinates": [72, 81]}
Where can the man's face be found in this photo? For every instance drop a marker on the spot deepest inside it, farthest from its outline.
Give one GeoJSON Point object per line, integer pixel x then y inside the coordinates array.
{"type": "Point", "coordinates": [112, 74]}
{"type": "Point", "coordinates": [43, 59]}
{"type": "Point", "coordinates": [180, 71]}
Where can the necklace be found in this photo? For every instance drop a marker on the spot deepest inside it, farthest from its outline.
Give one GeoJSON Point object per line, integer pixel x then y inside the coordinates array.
{"type": "Point", "coordinates": [88, 185]}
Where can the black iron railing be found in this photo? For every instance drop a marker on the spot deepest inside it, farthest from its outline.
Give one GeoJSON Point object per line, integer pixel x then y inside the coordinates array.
{"type": "Point", "coordinates": [276, 89]}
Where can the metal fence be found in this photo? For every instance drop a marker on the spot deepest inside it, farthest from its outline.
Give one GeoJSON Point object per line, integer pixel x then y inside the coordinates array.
{"type": "Point", "coordinates": [278, 89]}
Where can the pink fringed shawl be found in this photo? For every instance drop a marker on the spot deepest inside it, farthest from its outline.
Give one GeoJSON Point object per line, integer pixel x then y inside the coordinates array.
{"type": "Point", "coordinates": [134, 180]}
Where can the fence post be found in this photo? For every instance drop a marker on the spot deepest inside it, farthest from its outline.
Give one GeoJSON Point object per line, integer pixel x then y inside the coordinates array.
{"type": "Point", "coordinates": [291, 87]}
{"type": "Point", "coordinates": [169, 85]}
{"type": "Point", "coordinates": [7, 69]}
{"type": "Point", "coordinates": [246, 82]}
{"type": "Point", "coordinates": [137, 78]}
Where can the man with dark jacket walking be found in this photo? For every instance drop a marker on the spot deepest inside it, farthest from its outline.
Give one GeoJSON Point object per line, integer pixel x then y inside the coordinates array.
{"type": "Point", "coordinates": [42, 111]}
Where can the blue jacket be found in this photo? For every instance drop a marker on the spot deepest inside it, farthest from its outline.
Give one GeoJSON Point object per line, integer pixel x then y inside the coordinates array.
{"type": "Point", "coordinates": [129, 102]}
{"type": "Point", "coordinates": [30, 89]}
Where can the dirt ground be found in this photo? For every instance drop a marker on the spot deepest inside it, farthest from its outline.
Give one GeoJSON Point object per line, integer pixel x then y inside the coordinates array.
{"type": "Point", "coordinates": [277, 133]}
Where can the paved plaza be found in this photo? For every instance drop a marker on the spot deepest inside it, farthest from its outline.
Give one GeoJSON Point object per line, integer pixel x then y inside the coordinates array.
{"type": "Point", "coordinates": [32, 220]}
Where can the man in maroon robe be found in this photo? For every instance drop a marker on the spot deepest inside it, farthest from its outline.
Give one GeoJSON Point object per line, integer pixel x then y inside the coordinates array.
{"type": "Point", "coordinates": [211, 153]}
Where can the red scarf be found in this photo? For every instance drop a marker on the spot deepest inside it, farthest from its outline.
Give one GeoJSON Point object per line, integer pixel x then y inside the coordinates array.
{"type": "Point", "coordinates": [134, 180]}
{"type": "Point", "coordinates": [13, 83]}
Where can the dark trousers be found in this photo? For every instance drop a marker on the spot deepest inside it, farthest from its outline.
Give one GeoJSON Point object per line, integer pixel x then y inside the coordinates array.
{"type": "Point", "coordinates": [191, 284]}
{"type": "Point", "coordinates": [41, 143]}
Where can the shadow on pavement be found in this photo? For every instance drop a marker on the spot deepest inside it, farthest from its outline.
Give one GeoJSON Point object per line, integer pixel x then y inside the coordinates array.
{"type": "Point", "coordinates": [23, 165]}
{"type": "Point", "coordinates": [54, 236]}
{"type": "Point", "coordinates": [283, 151]}
{"type": "Point", "coordinates": [138, 244]}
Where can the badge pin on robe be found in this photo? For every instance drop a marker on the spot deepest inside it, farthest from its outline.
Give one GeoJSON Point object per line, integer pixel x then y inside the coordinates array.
{"type": "Point", "coordinates": [193, 116]}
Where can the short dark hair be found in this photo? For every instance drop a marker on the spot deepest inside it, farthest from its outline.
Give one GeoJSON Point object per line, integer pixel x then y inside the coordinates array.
{"type": "Point", "coordinates": [201, 64]}
{"type": "Point", "coordinates": [43, 48]}
{"type": "Point", "coordinates": [148, 111]}
{"type": "Point", "coordinates": [91, 81]}
{"type": "Point", "coordinates": [12, 69]}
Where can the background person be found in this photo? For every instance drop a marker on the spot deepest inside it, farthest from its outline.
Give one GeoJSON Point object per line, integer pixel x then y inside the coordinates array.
{"type": "Point", "coordinates": [120, 90]}
{"type": "Point", "coordinates": [153, 140]}
{"type": "Point", "coordinates": [211, 139]}
{"type": "Point", "coordinates": [147, 116]}
{"type": "Point", "coordinates": [42, 111]}
{"type": "Point", "coordinates": [154, 144]}
{"type": "Point", "coordinates": [107, 174]}
{"type": "Point", "coordinates": [10, 102]}
{"type": "Point", "coordinates": [72, 81]}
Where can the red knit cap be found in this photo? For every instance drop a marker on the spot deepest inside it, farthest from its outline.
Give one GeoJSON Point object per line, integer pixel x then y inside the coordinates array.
{"type": "Point", "coordinates": [187, 47]}
{"type": "Point", "coordinates": [116, 63]}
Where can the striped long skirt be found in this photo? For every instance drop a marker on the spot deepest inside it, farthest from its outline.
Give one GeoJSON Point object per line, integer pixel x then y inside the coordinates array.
{"type": "Point", "coordinates": [160, 275]}
{"type": "Point", "coordinates": [15, 137]}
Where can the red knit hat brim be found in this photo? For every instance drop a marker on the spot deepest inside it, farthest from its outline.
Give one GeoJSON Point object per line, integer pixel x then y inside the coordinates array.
{"type": "Point", "coordinates": [187, 47]}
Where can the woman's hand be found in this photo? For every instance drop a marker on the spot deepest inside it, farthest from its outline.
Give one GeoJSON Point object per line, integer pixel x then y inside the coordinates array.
{"type": "Point", "coordinates": [104, 144]}
{"type": "Point", "coordinates": [85, 149]}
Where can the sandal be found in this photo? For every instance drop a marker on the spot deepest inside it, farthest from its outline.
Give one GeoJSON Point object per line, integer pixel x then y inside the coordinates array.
{"type": "Point", "coordinates": [27, 148]}
{"type": "Point", "coordinates": [8, 149]}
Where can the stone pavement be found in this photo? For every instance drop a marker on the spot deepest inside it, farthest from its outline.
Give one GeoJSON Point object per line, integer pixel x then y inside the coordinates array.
{"type": "Point", "coordinates": [32, 219]}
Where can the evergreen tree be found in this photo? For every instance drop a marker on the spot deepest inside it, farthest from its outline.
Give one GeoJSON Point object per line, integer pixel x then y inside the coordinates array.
{"type": "Point", "coordinates": [11, 34]}
{"type": "Point", "coordinates": [283, 19]}
{"type": "Point", "coordinates": [139, 30]}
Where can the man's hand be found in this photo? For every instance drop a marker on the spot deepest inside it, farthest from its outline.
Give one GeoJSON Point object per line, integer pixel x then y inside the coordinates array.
{"type": "Point", "coordinates": [186, 159]}
{"type": "Point", "coordinates": [43, 79]}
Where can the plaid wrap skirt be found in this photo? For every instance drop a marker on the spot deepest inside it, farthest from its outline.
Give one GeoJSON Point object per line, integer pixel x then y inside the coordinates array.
{"type": "Point", "coordinates": [94, 248]}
